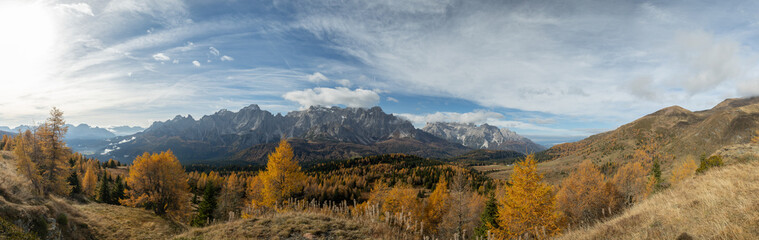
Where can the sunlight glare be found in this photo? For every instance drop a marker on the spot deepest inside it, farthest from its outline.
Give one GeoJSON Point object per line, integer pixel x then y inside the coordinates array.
{"type": "Point", "coordinates": [29, 36]}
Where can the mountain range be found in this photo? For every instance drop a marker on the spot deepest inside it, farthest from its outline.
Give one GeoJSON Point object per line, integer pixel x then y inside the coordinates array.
{"type": "Point", "coordinates": [316, 133]}
{"type": "Point", "coordinates": [84, 131]}
{"type": "Point", "coordinates": [482, 137]}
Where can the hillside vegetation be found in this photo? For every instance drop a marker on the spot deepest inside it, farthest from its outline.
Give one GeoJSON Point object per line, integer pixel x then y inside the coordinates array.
{"type": "Point", "coordinates": [720, 204]}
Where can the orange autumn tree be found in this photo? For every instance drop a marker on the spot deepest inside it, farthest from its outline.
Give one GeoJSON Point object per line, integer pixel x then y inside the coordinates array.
{"type": "Point", "coordinates": [528, 206]}
{"type": "Point", "coordinates": [89, 181]}
{"type": "Point", "coordinates": [158, 182]}
{"type": "Point", "coordinates": [282, 179]}
{"type": "Point", "coordinates": [437, 206]}
{"type": "Point", "coordinates": [582, 195]}
{"type": "Point", "coordinates": [684, 170]}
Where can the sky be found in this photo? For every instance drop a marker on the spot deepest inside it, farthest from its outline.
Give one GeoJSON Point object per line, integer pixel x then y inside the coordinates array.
{"type": "Point", "coordinates": [554, 71]}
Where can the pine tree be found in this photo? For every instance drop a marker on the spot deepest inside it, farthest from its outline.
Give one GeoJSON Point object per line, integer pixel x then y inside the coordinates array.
{"type": "Point", "coordinates": [104, 193]}
{"type": "Point", "coordinates": [73, 180]}
{"type": "Point", "coordinates": [206, 207]}
{"type": "Point", "coordinates": [488, 218]}
{"type": "Point", "coordinates": [118, 190]}
{"type": "Point", "coordinates": [529, 207]}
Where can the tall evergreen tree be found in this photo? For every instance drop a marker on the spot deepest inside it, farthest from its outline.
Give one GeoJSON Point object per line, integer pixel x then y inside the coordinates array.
{"type": "Point", "coordinates": [73, 180]}
{"type": "Point", "coordinates": [488, 218]}
{"type": "Point", "coordinates": [104, 194]}
{"type": "Point", "coordinates": [118, 190]}
{"type": "Point", "coordinates": [206, 207]}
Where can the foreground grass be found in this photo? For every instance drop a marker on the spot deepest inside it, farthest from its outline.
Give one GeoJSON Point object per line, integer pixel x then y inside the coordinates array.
{"type": "Point", "coordinates": [119, 222]}
{"type": "Point", "coordinates": [721, 204]}
{"type": "Point", "coordinates": [289, 225]}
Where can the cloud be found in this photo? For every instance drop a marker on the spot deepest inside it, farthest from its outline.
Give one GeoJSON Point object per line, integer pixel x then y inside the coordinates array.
{"type": "Point", "coordinates": [213, 51]}
{"type": "Point", "coordinates": [227, 58]}
{"type": "Point", "coordinates": [161, 57]}
{"type": "Point", "coordinates": [196, 63]}
{"type": "Point", "coordinates": [317, 77]}
{"type": "Point", "coordinates": [707, 61]}
{"type": "Point", "coordinates": [477, 116]}
{"type": "Point", "coordinates": [643, 88]}
{"type": "Point", "coordinates": [333, 96]}
{"type": "Point", "coordinates": [391, 99]}
{"type": "Point", "coordinates": [344, 82]}
{"type": "Point", "coordinates": [76, 8]}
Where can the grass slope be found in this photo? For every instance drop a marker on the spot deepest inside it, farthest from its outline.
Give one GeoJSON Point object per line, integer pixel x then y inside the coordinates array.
{"type": "Point", "coordinates": [290, 225]}
{"type": "Point", "coordinates": [721, 204]}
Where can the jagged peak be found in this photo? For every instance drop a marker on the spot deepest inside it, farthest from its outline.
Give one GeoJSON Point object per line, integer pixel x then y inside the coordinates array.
{"type": "Point", "coordinates": [253, 107]}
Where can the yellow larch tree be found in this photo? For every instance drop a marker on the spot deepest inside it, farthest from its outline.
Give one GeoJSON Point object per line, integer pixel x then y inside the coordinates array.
{"type": "Point", "coordinates": [631, 181]}
{"type": "Point", "coordinates": [89, 181]}
{"type": "Point", "coordinates": [683, 170]}
{"type": "Point", "coordinates": [27, 155]}
{"type": "Point", "coordinates": [528, 207]}
{"type": "Point", "coordinates": [54, 166]}
{"type": "Point", "coordinates": [437, 206]}
{"type": "Point", "coordinates": [582, 196]}
{"type": "Point", "coordinates": [158, 182]}
{"type": "Point", "coordinates": [230, 200]}
{"type": "Point", "coordinates": [283, 176]}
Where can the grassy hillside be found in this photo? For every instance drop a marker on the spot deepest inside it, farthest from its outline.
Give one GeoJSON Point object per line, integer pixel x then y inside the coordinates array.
{"type": "Point", "coordinates": [291, 225]}
{"type": "Point", "coordinates": [720, 204]}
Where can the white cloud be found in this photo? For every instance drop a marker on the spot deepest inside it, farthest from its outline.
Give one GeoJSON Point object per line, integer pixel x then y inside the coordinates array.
{"type": "Point", "coordinates": [227, 58]}
{"type": "Point", "coordinates": [175, 61]}
{"type": "Point", "coordinates": [477, 116]}
{"type": "Point", "coordinates": [344, 82]}
{"type": "Point", "coordinates": [707, 61]}
{"type": "Point", "coordinates": [317, 77]}
{"type": "Point", "coordinates": [161, 57]}
{"type": "Point", "coordinates": [213, 51]}
{"type": "Point", "coordinates": [333, 96]}
{"type": "Point", "coordinates": [76, 8]}
{"type": "Point", "coordinates": [534, 56]}
{"type": "Point", "coordinates": [196, 63]}
{"type": "Point", "coordinates": [392, 99]}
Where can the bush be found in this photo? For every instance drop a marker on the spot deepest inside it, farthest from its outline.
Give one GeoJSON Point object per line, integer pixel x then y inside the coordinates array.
{"type": "Point", "coordinates": [62, 219]}
{"type": "Point", "coordinates": [706, 163]}
{"type": "Point", "coordinates": [10, 231]}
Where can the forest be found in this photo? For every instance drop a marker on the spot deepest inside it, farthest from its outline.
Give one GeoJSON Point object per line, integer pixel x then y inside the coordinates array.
{"type": "Point", "coordinates": [413, 197]}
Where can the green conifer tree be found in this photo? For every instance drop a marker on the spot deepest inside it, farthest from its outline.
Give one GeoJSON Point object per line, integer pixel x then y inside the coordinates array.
{"type": "Point", "coordinates": [206, 207]}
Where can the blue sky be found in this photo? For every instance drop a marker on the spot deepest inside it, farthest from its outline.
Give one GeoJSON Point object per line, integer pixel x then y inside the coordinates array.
{"type": "Point", "coordinates": [554, 71]}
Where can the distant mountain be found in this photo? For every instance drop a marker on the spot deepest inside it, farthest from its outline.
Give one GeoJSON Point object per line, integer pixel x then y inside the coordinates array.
{"type": "Point", "coordinates": [78, 132]}
{"type": "Point", "coordinates": [482, 137]}
{"type": "Point", "coordinates": [86, 132]}
{"type": "Point", "coordinates": [125, 130]}
{"type": "Point", "coordinates": [244, 135]}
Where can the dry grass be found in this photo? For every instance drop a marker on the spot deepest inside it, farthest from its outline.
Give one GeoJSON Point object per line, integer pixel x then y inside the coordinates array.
{"type": "Point", "coordinates": [721, 204]}
{"type": "Point", "coordinates": [119, 222]}
{"type": "Point", "coordinates": [290, 225]}
{"type": "Point", "coordinates": [553, 171]}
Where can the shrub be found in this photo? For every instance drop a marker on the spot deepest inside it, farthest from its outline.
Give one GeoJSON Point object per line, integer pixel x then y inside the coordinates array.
{"type": "Point", "coordinates": [706, 163]}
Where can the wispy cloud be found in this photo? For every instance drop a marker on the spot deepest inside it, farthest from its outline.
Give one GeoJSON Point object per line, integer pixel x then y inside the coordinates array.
{"type": "Point", "coordinates": [161, 57]}
{"type": "Point", "coordinates": [334, 96]}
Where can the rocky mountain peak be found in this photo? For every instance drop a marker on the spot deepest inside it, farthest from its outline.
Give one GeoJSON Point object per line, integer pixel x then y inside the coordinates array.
{"type": "Point", "coordinates": [482, 137]}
